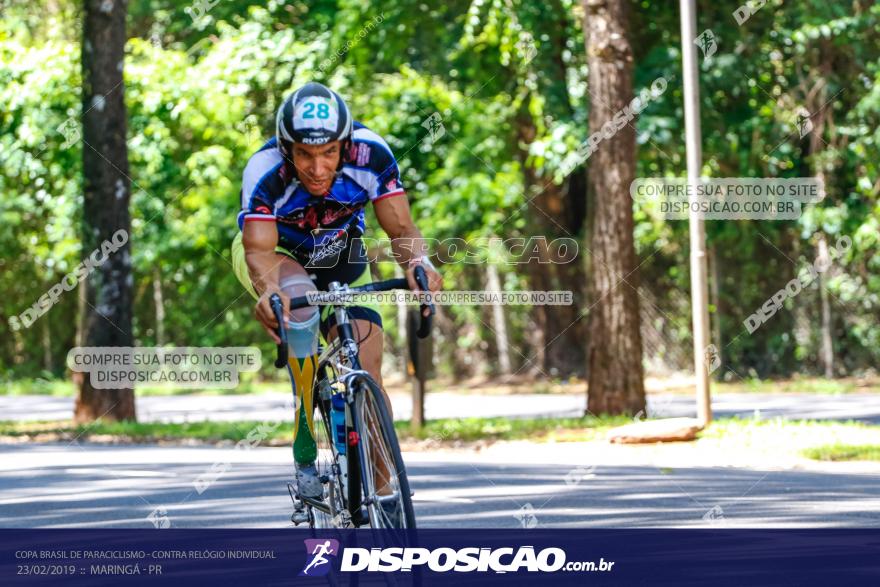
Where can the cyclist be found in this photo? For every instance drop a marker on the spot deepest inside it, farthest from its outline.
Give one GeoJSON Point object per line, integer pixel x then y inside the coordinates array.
{"type": "Point", "coordinates": [302, 210]}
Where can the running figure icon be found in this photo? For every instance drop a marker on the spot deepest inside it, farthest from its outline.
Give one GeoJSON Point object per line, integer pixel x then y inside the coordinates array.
{"type": "Point", "coordinates": [319, 551]}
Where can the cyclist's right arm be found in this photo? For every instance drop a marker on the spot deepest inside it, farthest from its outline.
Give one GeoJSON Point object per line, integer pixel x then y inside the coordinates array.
{"type": "Point", "coordinates": [259, 240]}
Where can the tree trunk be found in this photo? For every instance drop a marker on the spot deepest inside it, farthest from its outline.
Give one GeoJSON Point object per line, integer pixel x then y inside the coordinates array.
{"type": "Point", "coordinates": [826, 348]}
{"type": "Point", "coordinates": [107, 191]}
{"type": "Point", "coordinates": [46, 340]}
{"type": "Point", "coordinates": [558, 331]}
{"type": "Point", "coordinates": [557, 334]}
{"type": "Point", "coordinates": [449, 334]}
{"type": "Point", "coordinates": [17, 347]}
{"type": "Point", "coordinates": [715, 293]}
{"type": "Point", "coordinates": [159, 304]}
{"type": "Point", "coordinates": [616, 382]}
{"type": "Point", "coordinates": [502, 344]}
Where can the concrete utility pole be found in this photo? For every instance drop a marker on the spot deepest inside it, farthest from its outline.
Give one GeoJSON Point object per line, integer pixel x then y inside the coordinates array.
{"type": "Point", "coordinates": [699, 289]}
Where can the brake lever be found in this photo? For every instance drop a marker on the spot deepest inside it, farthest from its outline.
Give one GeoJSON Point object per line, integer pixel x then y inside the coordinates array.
{"type": "Point", "coordinates": [425, 322]}
{"type": "Point", "coordinates": [278, 310]}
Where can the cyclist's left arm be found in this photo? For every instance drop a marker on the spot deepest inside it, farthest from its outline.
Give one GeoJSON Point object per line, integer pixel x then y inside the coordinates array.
{"type": "Point", "coordinates": [407, 243]}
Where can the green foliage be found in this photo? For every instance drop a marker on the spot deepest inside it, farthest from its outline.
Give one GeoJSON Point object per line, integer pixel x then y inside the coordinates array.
{"type": "Point", "coordinates": [508, 80]}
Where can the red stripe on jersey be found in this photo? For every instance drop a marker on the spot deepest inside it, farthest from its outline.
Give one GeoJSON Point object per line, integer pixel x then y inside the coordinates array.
{"type": "Point", "coordinates": [389, 194]}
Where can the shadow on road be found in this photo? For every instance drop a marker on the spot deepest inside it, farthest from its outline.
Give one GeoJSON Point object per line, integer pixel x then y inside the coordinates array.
{"type": "Point", "coordinates": [149, 486]}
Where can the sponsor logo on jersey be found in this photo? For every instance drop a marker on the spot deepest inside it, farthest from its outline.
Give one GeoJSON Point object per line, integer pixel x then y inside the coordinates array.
{"type": "Point", "coordinates": [310, 217]}
{"type": "Point", "coordinates": [363, 154]}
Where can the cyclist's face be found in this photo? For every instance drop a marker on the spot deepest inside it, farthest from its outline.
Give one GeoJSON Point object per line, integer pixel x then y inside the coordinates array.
{"type": "Point", "coordinates": [316, 165]}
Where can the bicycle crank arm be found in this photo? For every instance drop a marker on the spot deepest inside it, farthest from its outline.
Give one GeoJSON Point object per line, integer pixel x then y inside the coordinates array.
{"type": "Point", "coordinates": [315, 503]}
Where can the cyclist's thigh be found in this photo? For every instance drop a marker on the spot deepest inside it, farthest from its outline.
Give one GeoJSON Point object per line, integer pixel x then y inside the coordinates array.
{"type": "Point", "coordinates": [289, 266]}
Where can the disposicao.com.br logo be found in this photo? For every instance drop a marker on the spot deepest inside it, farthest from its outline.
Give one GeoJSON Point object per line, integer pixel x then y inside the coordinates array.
{"type": "Point", "coordinates": [462, 560]}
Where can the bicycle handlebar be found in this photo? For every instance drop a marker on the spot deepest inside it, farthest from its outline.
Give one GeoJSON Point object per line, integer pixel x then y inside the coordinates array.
{"type": "Point", "coordinates": [277, 309]}
{"type": "Point", "coordinates": [425, 321]}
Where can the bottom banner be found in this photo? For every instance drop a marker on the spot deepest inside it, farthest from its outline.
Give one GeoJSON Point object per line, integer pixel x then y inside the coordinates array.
{"type": "Point", "coordinates": [439, 557]}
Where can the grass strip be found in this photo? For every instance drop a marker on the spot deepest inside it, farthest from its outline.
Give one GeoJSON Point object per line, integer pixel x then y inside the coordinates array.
{"type": "Point", "coordinates": [844, 452]}
{"type": "Point", "coordinates": [447, 430]}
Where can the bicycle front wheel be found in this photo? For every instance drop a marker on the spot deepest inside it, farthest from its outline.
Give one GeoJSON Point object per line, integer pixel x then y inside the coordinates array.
{"type": "Point", "coordinates": [327, 466]}
{"type": "Point", "coordinates": [384, 479]}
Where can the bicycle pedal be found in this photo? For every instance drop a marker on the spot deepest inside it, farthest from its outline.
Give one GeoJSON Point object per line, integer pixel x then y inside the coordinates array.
{"type": "Point", "coordinates": [299, 517]}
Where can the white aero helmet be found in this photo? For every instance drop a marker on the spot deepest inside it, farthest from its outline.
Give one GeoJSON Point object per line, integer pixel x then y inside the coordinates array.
{"type": "Point", "coordinates": [313, 115]}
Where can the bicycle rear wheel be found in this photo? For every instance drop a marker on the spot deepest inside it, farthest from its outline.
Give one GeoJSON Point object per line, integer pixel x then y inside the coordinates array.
{"type": "Point", "coordinates": [384, 478]}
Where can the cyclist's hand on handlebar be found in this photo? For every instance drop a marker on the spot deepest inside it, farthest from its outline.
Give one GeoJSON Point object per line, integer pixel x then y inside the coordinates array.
{"type": "Point", "coordinates": [263, 312]}
{"type": "Point", "coordinates": [435, 280]}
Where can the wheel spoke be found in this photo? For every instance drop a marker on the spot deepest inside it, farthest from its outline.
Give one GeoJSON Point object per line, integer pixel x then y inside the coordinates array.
{"type": "Point", "coordinates": [383, 483]}
{"type": "Point", "coordinates": [324, 464]}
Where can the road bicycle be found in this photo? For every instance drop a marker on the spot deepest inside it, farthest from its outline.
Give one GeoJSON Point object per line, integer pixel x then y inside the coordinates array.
{"type": "Point", "coordinates": [359, 463]}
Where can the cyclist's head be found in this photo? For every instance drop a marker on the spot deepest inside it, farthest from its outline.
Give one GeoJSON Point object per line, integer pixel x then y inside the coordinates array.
{"type": "Point", "coordinates": [316, 166]}
{"type": "Point", "coordinates": [313, 129]}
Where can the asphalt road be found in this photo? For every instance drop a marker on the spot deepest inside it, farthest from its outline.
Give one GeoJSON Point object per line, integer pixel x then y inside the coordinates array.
{"type": "Point", "coordinates": [278, 406]}
{"type": "Point", "coordinates": [58, 485]}
{"type": "Point", "coordinates": [76, 485]}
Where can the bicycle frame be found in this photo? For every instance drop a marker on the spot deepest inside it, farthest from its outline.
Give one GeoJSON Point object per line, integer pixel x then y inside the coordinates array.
{"type": "Point", "coordinates": [341, 356]}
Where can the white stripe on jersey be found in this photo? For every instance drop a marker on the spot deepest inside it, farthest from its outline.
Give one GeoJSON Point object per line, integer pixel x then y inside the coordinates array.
{"type": "Point", "coordinates": [287, 193]}
{"type": "Point", "coordinates": [365, 134]}
{"type": "Point", "coordinates": [364, 178]}
{"type": "Point", "coordinates": [258, 165]}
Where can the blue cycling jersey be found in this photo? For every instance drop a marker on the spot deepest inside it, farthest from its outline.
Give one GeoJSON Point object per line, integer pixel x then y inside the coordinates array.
{"type": "Point", "coordinates": [270, 192]}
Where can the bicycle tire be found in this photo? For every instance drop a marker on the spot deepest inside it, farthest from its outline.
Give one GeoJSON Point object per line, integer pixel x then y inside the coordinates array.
{"type": "Point", "coordinates": [370, 406]}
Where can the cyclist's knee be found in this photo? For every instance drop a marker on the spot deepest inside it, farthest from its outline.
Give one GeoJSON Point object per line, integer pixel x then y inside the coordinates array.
{"type": "Point", "coordinates": [296, 285]}
{"type": "Point", "coordinates": [303, 326]}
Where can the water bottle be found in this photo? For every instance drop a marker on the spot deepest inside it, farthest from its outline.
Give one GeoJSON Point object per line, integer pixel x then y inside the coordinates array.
{"type": "Point", "coordinates": [337, 418]}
